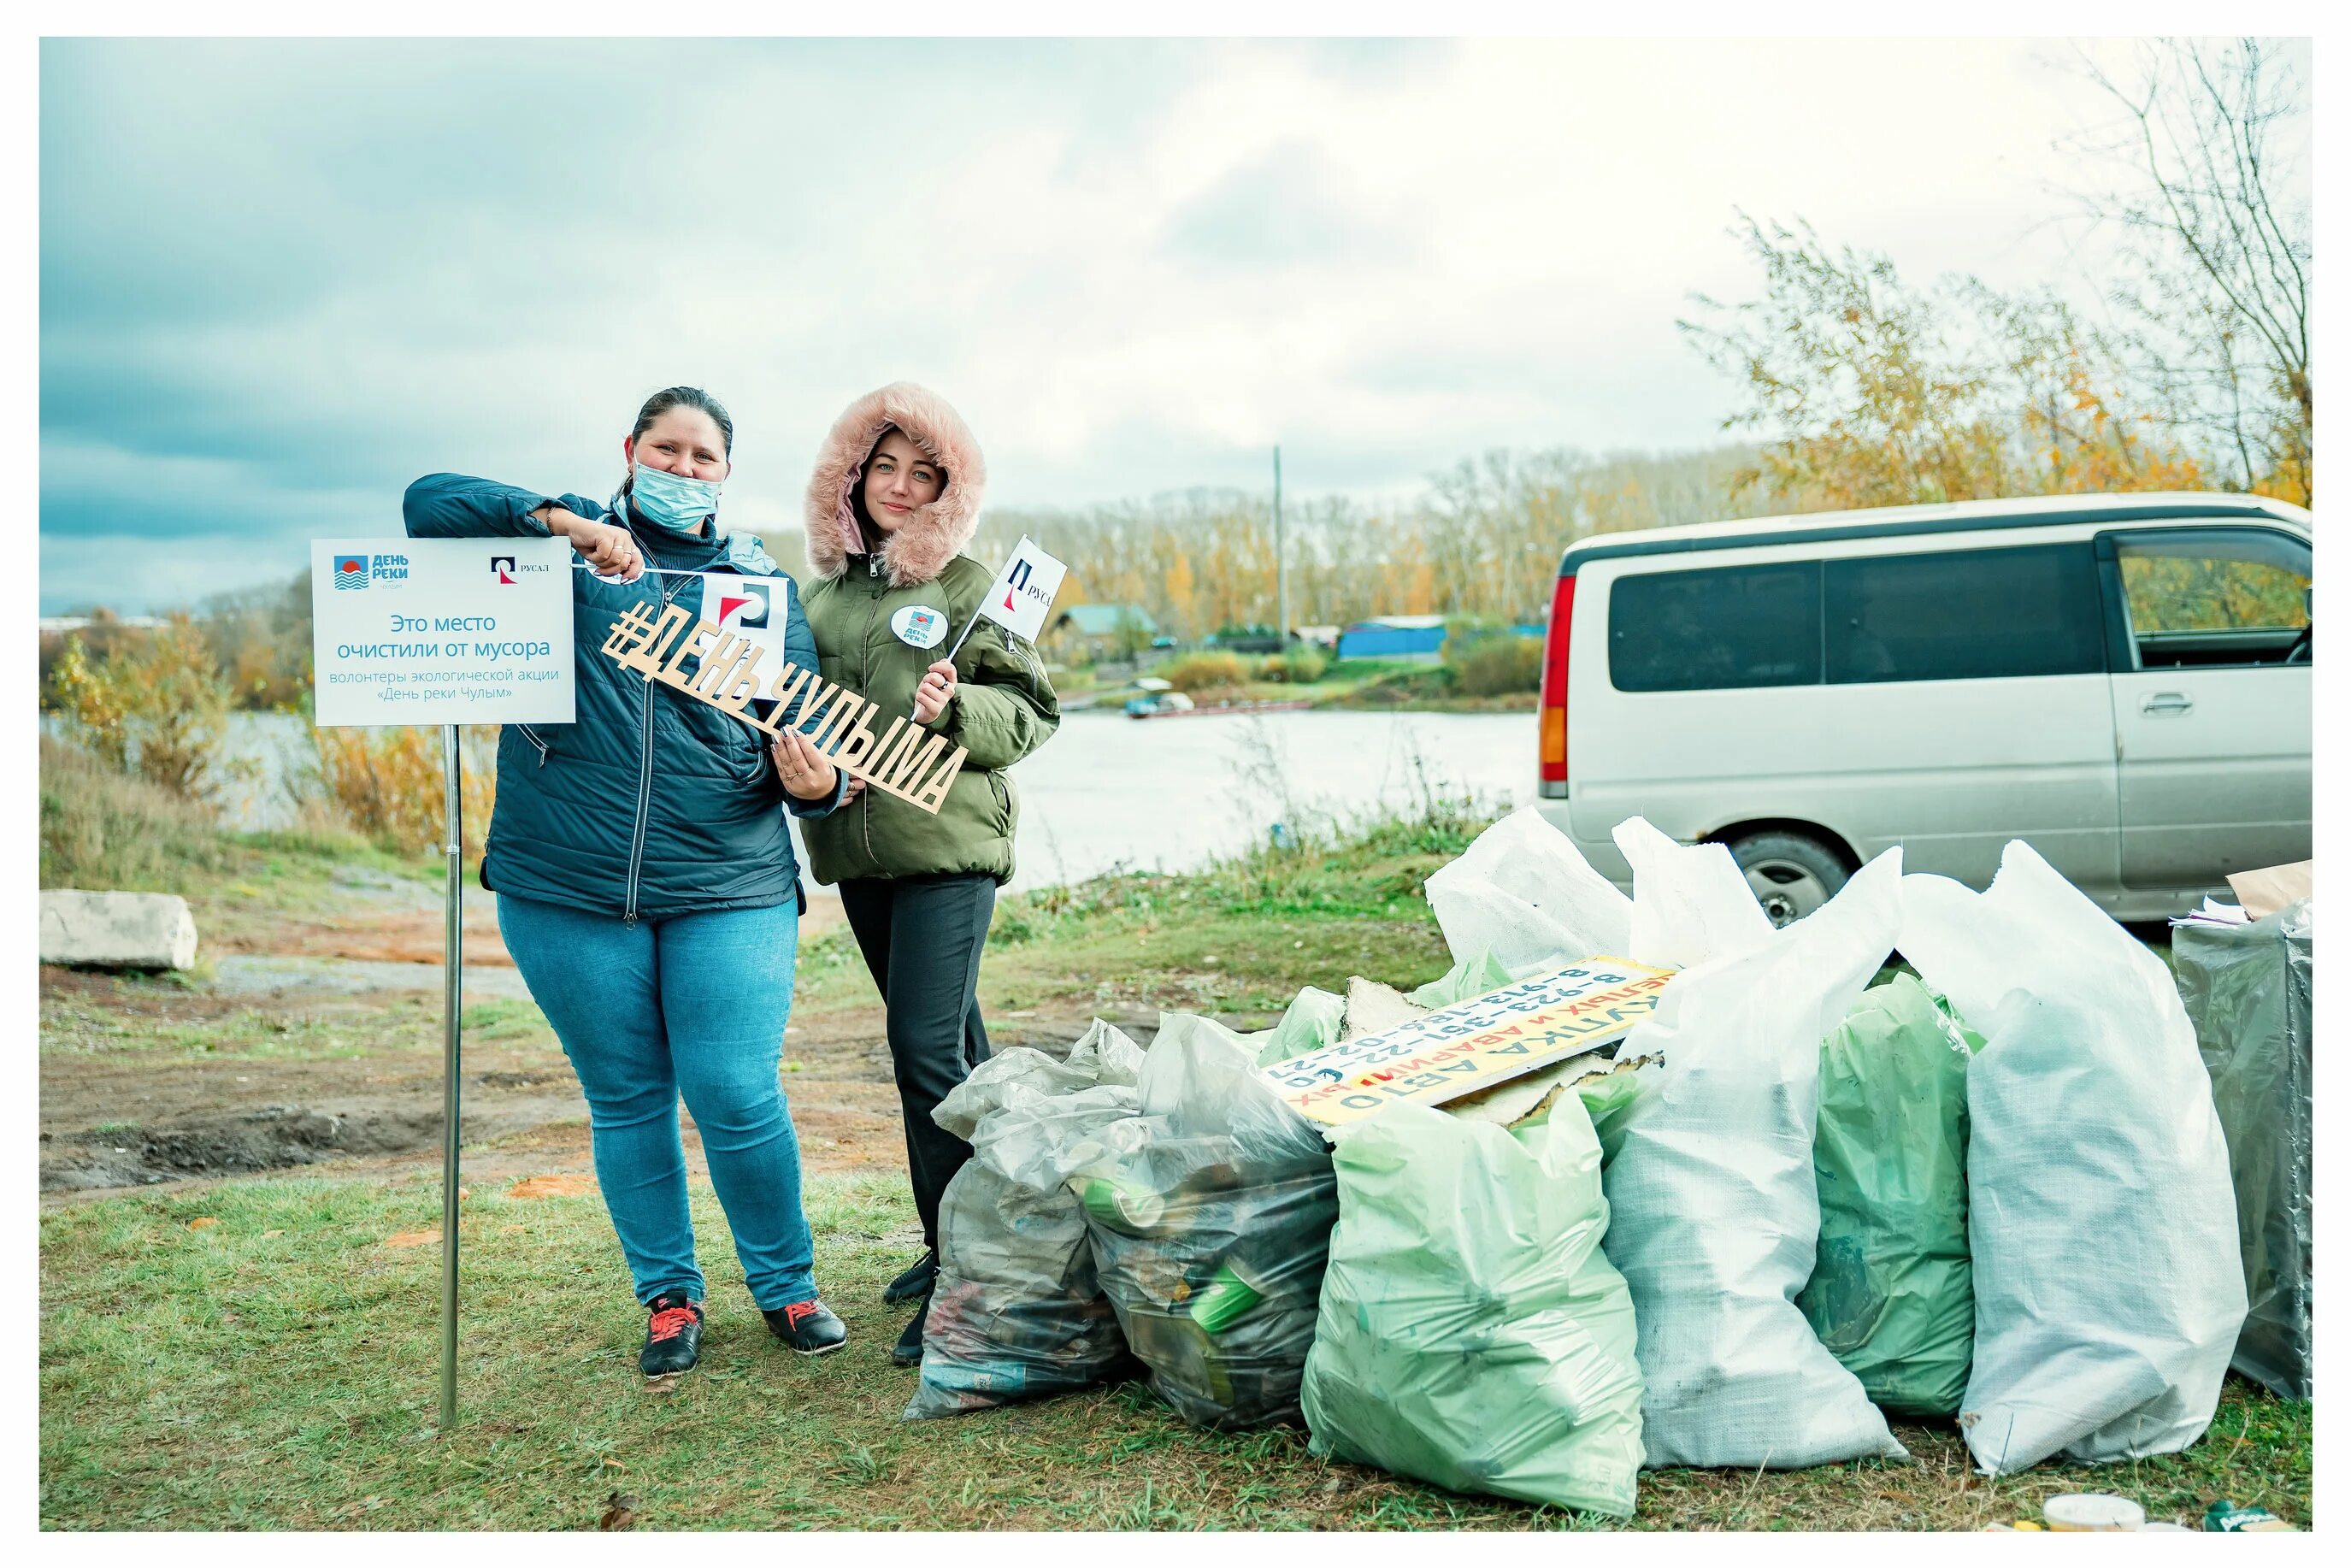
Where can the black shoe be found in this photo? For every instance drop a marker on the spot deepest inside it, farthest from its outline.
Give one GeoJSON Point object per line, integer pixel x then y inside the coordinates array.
{"type": "Point", "coordinates": [908, 1350]}
{"type": "Point", "coordinates": [915, 1282]}
{"type": "Point", "coordinates": [672, 1337]}
{"type": "Point", "coordinates": [809, 1327]}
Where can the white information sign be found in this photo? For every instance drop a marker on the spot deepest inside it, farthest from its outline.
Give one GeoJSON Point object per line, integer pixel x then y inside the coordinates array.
{"type": "Point", "coordinates": [441, 631]}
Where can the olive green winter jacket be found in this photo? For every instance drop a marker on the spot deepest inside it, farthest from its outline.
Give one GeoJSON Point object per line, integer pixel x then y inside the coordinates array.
{"type": "Point", "coordinates": [1003, 709]}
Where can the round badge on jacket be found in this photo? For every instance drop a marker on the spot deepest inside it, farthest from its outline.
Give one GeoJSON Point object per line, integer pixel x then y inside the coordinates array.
{"type": "Point", "coordinates": [920, 626]}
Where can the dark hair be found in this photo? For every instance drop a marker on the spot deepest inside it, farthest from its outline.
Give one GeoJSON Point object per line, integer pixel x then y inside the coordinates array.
{"type": "Point", "coordinates": [668, 398]}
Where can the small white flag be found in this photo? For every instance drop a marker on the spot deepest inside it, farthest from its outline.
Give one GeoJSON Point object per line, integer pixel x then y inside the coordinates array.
{"type": "Point", "coordinates": [1022, 594]}
{"type": "Point", "coordinates": [753, 609]}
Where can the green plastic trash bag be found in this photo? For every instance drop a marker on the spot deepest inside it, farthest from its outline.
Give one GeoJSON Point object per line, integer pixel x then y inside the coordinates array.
{"type": "Point", "coordinates": [1472, 1333]}
{"type": "Point", "coordinates": [1312, 1021]}
{"type": "Point", "coordinates": [1892, 1294]}
{"type": "Point", "coordinates": [1609, 1098]}
{"type": "Point", "coordinates": [1473, 977]}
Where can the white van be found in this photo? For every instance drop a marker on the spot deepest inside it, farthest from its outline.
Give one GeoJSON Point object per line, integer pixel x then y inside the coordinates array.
{"type": "Point", "coordinates": [2121, 681]}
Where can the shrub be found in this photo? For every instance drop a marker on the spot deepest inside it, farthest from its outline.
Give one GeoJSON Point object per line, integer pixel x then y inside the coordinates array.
{"type": "Point", "coordinates": [1495, 666]}
{"type": "Point", "coordinates": [1305, 665]}
{"type": "Point", "coordinates": [1297, 667]}
{"type": "Point", "coordinates": [104, 828]}
{"type": "Point", "coordinates": [1196, 673]}
{"type": "Point", "coordinates": [389, 782]}
{"type": "Point", "coordinates": [155, 706]}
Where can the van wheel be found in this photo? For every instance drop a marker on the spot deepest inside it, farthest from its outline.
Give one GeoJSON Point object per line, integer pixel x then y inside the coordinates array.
{"type": "Point", "coordinates": [1791, 875]}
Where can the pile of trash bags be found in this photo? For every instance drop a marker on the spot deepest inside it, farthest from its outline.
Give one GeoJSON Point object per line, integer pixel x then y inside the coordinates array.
{"type": "Point", "coordinates": [1809, 1191]}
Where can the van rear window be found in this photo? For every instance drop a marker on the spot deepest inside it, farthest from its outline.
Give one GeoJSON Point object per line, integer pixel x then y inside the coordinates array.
{"type": "Point", "coordinates": [1964, 614]}
{"type": "Point", "coordinates": [1723, 626]}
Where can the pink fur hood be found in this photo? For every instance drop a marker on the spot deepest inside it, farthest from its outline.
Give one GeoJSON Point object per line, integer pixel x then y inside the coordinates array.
{"type": "Point", "coordinates": [921, 547]}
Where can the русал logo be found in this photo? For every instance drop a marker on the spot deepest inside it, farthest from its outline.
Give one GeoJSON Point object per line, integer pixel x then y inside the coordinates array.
{"type": "Point", "coordinates": [751, 600]}
{"type": "Point", "coordinates": [501, 567]}
{"type": "Point", "coordinates": [350, 571]}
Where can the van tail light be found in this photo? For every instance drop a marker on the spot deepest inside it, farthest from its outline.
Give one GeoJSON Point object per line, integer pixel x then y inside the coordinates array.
{"type": "Point", "coordinates": [1552, 745]}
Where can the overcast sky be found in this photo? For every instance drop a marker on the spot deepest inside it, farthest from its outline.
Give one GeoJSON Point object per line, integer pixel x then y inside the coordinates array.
{"type": "Point", "coordinates": [279, 280]}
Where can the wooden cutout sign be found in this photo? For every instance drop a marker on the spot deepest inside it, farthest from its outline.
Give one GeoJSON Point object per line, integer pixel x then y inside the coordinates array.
{"type": "Point", "coordinates": [904, 761]}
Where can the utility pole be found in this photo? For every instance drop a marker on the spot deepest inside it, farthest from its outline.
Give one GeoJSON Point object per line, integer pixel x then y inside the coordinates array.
{"type": "Point", "coordinates": [1280, 557]}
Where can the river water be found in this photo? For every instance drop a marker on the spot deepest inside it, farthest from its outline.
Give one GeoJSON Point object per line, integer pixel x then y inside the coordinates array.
{"type": "Point", "coordinates": [1108, 792]}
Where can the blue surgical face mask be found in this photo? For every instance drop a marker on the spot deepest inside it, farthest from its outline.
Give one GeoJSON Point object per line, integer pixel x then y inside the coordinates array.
{"type": "Point", "coordinates": [671, 501]}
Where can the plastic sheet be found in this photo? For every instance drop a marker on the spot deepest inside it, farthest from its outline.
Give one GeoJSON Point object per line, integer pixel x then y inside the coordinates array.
{"type": "Point", "coordinates": [1523, 894]}
{"type": "Point", "coordinates": [1715, 1219]}
{"type": "Point", "coordinates": [1472, 1333]}
{"type": "Point", "coordinates": [1209, 1215]}
{"type": "Point", "coordinates": [2248, 993]}
{"type": "Point", "coordinates": [2104, 1232]}
{"type": "Point", "coordinates": [1891, 1294]}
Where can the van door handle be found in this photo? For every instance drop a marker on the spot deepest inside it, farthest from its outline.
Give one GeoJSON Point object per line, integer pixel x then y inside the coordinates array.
{"type": "Point", "coordinates": [2166, 701]}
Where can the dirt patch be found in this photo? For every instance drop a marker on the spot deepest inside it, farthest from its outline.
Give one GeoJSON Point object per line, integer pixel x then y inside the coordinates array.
{"type": "Point", "coordinates": [126, 1103]}
{"type": "Point", "coordinates": [414, 936]}
{"type": "Point", "coordinates": [241, 1142]}
{"type": "Point", "coordinates": [563, 1184]}
{"type": "Point", "coordinates": [397, 1128]}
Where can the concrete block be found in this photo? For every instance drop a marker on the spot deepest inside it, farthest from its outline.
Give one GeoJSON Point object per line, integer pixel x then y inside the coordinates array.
{"type": "Point", "coordinates": [117, 930]}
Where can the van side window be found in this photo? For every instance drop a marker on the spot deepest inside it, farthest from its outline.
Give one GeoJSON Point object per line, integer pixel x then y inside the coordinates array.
{"type": "Point", "coordinates": [1724, 626]}
{"type": "Point", "coordinates": [1956, 615]}
{"type": "Point", "coordinates": [2222, 596]}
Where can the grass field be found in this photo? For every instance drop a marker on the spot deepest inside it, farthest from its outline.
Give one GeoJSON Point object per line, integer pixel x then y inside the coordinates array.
{"type": "Point", "coordinates": [276, 1369]}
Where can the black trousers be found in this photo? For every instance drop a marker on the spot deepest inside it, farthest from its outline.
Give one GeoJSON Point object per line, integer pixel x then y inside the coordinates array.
{"type": "Point", "coordinates": [922, 937]}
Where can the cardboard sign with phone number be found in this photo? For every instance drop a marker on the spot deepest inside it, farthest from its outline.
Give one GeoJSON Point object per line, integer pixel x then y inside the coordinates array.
{"type": "Point", "coordinates": [1473, 1045]}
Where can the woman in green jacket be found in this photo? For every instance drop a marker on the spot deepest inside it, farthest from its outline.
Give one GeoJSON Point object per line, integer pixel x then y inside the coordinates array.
{"type": "Point", "coordinates": [895, 498]}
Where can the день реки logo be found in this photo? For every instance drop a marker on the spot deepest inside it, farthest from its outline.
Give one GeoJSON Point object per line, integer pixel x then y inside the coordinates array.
{"type": "Point", "coordinates": [350, 571]}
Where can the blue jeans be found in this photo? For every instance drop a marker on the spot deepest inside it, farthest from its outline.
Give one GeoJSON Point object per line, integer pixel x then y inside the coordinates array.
{"type": "Point", "coordinates": [692, 1004]}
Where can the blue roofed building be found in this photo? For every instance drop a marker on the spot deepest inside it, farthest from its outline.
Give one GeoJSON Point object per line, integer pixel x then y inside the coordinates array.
{"type": "Point", "coordinates": [1417, 638]}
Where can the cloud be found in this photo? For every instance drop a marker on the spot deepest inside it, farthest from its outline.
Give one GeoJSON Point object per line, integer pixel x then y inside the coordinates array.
{"type": "Point", "coordinates": [282, 278]}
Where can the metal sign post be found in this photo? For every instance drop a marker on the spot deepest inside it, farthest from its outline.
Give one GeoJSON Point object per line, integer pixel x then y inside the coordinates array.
{"type": "Point", "coordinates": [443, 632]}
{"type": "Point", "coordinates": [453, 845]}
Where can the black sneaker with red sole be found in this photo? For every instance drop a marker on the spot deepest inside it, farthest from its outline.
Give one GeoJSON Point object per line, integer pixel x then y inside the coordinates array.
{"type": "Point", "coordinates": [809, 1327]}
{"type": "Point", "coordinates": [673, 1336]}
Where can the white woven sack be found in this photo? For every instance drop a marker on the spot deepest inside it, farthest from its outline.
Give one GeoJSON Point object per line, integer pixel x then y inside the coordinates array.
{"type": "Point", "coordinates": [2103, 1227]}
{"type": "Point", "coordinates": [1690, 902]}
{"type": "Point", "coordinates": [1523, 892]}
{"type": "Point", "coordinates": [1714, 1214]}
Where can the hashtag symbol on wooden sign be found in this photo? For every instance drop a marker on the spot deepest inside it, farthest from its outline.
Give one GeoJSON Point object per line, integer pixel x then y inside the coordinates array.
{"type": "Point", "coordinates": [630, 632]}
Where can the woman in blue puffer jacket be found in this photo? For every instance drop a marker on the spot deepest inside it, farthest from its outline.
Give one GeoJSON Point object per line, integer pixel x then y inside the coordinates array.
{"type": "Point", "coordinates": [647, 889]}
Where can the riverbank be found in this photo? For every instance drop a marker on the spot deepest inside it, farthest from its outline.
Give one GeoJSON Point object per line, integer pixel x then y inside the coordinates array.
{"type": "Point", "coordinates": [1389, 686]}
{"type": "Point", "coordinates": [241, 1199]}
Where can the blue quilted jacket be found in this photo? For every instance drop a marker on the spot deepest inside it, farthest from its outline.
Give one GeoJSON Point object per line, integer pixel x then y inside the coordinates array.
{"type": "Point", "coordinates": [651, 803]}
